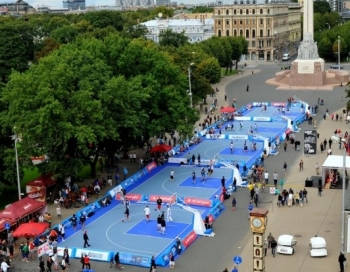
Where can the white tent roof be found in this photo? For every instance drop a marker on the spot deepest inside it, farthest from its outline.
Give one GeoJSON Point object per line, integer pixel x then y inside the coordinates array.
{"type": "Point", "coordinates": [335, 161]}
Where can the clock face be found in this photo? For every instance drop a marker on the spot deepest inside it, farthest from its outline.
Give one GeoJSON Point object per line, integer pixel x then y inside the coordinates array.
{"type": "Point", "coordinates": [256, 222]}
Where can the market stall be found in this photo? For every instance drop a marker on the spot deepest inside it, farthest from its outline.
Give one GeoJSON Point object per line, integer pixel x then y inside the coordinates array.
{"type": "Point", "coordinates": [332, 169]}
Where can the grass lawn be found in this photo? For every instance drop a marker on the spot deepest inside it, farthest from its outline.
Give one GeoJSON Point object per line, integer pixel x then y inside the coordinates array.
{"type": "Point", "coordinates": [229, 73]}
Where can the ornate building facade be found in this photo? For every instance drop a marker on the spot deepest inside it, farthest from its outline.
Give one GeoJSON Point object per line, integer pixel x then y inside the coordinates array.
{"type": "Point", "coordinates": [270, 29]}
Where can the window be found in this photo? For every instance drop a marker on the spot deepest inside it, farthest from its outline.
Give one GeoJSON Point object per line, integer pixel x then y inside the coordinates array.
{"type": "Point", "coordinates": [247, 11]}
{"type": "Point", "coordinates": [227, 22]}
{"type": "Point", "coordinates": [241, 32]}
{"type": "Point", "coordinates": [253, 11]}
{"type": "Point", "coordinates": [261, 11]}
{"type": "Point", "coordinates": [219, 33]}
{"type": "Point", "coordinates": [219, 12]}
{"type": "Point", "coordinates": [235, 22]}
{"type": "Point", "coordinates": [234, 11]}
{"type": "Point", "coordinates": [197, 29]}
{"type": "Point", "coordinates": [240, 11]}
{"type": "Point", "coordinates": [268, 11]}
{"type": "Point", "coordinates": [268, 33]}
{"type": "Point", "coordinates": [247, 33]}
{"type": "Point", "coordinates": [227, 32]}
{"type": "Point", "coordinates": [219, 22]}
{"type": "Point", "coordinates": [253, 33]}
{"type": "Point", "coordinates": [261, 33]}
{"type": "Point", "coordinates": [268, 21]}
{"type": "Point", "coordinates": [261, 21]}
{"type": "Point", "coordinates": [227, 12]}
{"type": "Point", "coordinates": [241, 22]}
{"type": "Point", "coordinates": [235, 33]}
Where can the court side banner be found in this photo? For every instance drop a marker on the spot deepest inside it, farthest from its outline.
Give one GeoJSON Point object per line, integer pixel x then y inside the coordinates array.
{"type": "Point", "coordinates": [310, 142]}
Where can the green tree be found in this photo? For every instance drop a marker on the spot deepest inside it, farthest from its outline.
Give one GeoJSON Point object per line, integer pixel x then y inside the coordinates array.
{"type": "Point", "coordinates": [105, 18]}
{"type": "Point", "coordinates": [210, 69]}
{"type": "Point", "coordinates": [64, 34]}
{"type": "Point", "coordinates": [49, 46]}
{"type": "Point", "coordinates": [166, 12]}
{"type": "Point", "coordinates": [202, 9]}
{"type": "Point", "coordinates": [321, 7]}
{"type": "Point", "coordinates": [16, 47]}
{"type": "Point", "coordinates": [136, 31]}
{"type": "Point", "coordinates": [170, 38]}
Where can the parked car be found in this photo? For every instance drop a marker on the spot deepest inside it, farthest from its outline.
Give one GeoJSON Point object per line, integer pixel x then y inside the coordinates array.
{"type": "Point", "coordinates": [318, 247]}
{"type": "Point", "coordinates": [336, 66]}
{"type": "Point", "coordinates": [285, 244]}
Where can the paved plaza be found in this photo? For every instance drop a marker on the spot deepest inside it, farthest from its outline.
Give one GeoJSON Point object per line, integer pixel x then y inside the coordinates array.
{"type": "Point", "coordinates": [321, 216]}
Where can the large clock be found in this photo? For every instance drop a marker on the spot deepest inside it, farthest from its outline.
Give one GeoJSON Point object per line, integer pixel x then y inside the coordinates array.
{"type": "Point", "coordinates": [257, 222]}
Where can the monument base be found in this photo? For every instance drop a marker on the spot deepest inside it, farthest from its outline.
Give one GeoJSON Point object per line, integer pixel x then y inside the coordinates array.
{"type": "Point", "coordinates": [307, 73]}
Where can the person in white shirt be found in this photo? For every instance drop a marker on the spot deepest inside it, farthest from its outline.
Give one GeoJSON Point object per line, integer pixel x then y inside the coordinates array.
{"type": "Point", "coordinates": [41, 218]}
{"type": "Point", "coordinates": [266, 177]}
{"type": "Point", "coordinates": [168, 214]}
{"type": "Point", "coordinates": [4, 266]}
{"type": "Point", "coordinates": [97, 189]}
{"type": "Point", "coordinates": [62, 230]}
{"type": "Point", "coordinates": [147, 212]}
{"type": "Point", "coordinates": [275, 178]}
{"type": "Point", "coordinates": [231, 147]}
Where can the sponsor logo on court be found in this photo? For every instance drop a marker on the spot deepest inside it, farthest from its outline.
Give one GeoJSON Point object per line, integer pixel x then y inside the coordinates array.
{"type": "Point", "coordinates": [262, 119]}
{"type": "Point", "coordinates": [278, 104]}
{"type": "Point", "coordinates": [189, 239]}
{"type": "Point", "coordinates": [153, 198]}
{"type": "Point", "coordinates": [151, 166]}
{"type": "Point", "coordinates": [198, 201]}
{"type": "Point", "coordinates": [131, 197]}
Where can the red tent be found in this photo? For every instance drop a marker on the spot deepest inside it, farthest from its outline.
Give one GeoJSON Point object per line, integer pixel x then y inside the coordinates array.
{"type": "Point", "coordinates": [162, 148]}
{"type": "Point", "coordinates": [228, 109]}
{"type": "Point", "coordinates": [21, 208]}
{"type": "Point", "coordinates": [30, 229]}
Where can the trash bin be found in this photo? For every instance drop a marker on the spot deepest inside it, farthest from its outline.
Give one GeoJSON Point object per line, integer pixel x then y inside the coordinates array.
{"type": "Point", "coordinates": [309, 182]}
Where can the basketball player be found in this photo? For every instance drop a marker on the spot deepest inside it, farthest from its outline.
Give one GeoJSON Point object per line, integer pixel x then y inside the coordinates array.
{"type": "Point", "coordinates": [211, 170]}
{"type": "Point", "coordinates": [231, 147]}
{"type": "Point", "coordinates": [147, 212]}
{"type": "Point", "coordinates": [159, 204]}
{"type": "Point", "coordinates": [127, 213]}
{"type": "Point", "coordinates": [241, 125]}
{"type": "Point", "coordinates": [203, 174]}
{"type": "Point", "coordinates": [193, 177]}
{"type": "Point", "coordinates": [159, 220]}
{"type": "Point", "coordinates": [172, 176]}
{"type": "Point", "coordinates": [168, 214]}
{"type": "Point", "coordinates": [162, 226]}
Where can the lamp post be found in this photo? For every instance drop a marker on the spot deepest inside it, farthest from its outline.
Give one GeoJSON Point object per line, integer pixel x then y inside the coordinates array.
{"type": "Point", "coordinates": [343, 201]}
{"type": "Point", "coordinates": [189, 84]}
{"type": "Point", "coordinates": [338, 52]}
{"type": "Point", "coordinates": [15, 138]}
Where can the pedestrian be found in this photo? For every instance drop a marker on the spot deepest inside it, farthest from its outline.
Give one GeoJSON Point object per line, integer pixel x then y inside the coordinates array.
{"type": "Point", "coordinates": [234, 269]}
{"type": "Point", "coordinates": [223, 181]}
{"type": "Point", "coordinates": [231, 147]}
{"type": "Point", "coordinates": [269, 239]}
{"type": "Point", "coordinates": [285, 168]}
{"type": "Point", "coordinates": [305, 195]}
{"type": "Point", "coordinates": [87, 262]}
{"type": "Point", "coordinates": [320, 190]}
{"type": "Point", "coordinates": [265, 246]}
{"type": "Point", "coordinates": [66, 255]}
{"type": "Point", "coordinates": [168, 214]}
{"type": "Point", "coordinates": [341, 260]}
{"type": "Point", "coordinates": [325, 143]}
{"type": "Point", "coordinates": [62, 231]}
{"type": "Point", "coordinates": [250, 208]}
{"type": "Point", "coordinates": [199, 159]}
{"type": "Point", "coordinates": [247, 87]}
{"type": "Point", "coordinates": [203, 174]}
{"type": "Point", "coordinates": [41, 264]}
{"type": "Point", "coordinates": [172, 173]}
{"type": "Point", "coordinates": [162, 225]}
{"type": "Point", "coordinates": [125, 172]}
{"type": "Point", "coordinates": [74, 222]}
{"type": "Point", "coordinates": [273, 246]}
{"type": "Point", "coordinates": [58, 212]}
{"type": "Point", "coordinates": [63, 264]}
{"type": "Point", "coordinates": [301, 165]}
{"type": "Point", "coordinates": [153, 264]}
{"type": "Point", "coordinates": [281, 184]}
{"type": "Point", "coordinates": [330, 143]}
{"type": "Point", "coordinates": [127, 214]}
{"type": "Point", "coordinates": [285, 146]}
{"type": "Point", "coordinates": [49, 264]}
{"type": "Point", "coordinates": [266, 177]}
{"type": "Point", "coordinates": [172, 261]}
{"type": "Point", "coordinates": [317, 167]}
{"type": "Point", "coordinates": [275, 178]}
{"type": "Point", "coordinates": [82, 220]}
{"type": "Point", "coordinates": [86, 239]}
{"type": "Point", "coordinates": [147, 212]}
{"type": "Point", "coordinates": [234, 202]}
{"type": "Point", "coordinates": [225, 97]}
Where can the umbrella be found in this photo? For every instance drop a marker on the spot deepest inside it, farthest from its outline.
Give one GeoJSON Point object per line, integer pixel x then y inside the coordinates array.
{"type": "Point", "coordinates": [30, 229]}
{"type": "Point", "coordinates": [228, 109]}
{"type": "Point", "coordinates": [161, 148]}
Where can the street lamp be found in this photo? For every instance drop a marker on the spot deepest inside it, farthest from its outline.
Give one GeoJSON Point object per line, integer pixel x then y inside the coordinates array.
{"type": "Point", "coordinates": [15, 138]}
{"type": "Point", "coordinates": [343, 208]}
{"type": "Point", "coordinates": [189, 84]}
{"type": "Point", "coordinates": [338, 52]}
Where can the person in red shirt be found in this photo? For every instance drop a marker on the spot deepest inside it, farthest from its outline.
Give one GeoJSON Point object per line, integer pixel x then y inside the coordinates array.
{"type": "Point", "coordinates": [83, 190]}
{"type": "Point", "coordinates": [87, 262]}
{"type": "Point", "coordinates": [53, 235]}
{"type": "Point", "coordinates": [31, 249]}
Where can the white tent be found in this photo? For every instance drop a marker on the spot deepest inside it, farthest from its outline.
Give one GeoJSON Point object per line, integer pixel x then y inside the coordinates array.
{"type": "Point", "coordinates": [334, 162]}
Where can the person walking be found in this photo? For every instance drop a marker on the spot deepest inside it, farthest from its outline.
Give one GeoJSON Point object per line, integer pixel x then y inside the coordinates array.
{"type": "Point", "coordinates": [305, 195]}
{"type": "Point", "coordinates": [172, 174]}
{"type": "Point", "coordinates": [265, 246]}
{"type": "Point", "coordinates": [194, 177]}
{"type": "Point", "coordinates": [153, 264]}
{"type": "Point", "coordinates": [247, 87]}
{"type": "Point", "coordinates": [281, 184]}
{"type": "Point", "coordinates": [269, 239]}
{"type": "Point", "coordinates": [320, 190]}
{"type": "Point", "coordinates": [234, 203]}
{"type": "Point", "coordinates": [275, 178]}
{"type": "Point", "coordinates": [250, 208]}
{"type": "Point", "coordinates": [147, 212]}
{"type": "Point", "coordinates": [127, 214]}
{"type": "Point", "coordinates": [168, 214]}
{"type": "Point", "coordinates": [285, 146]}
{"type": "Point", "coordinates": [285, 168]}
{"type": "Point", "coordinates": [266, 177]}
{"type": "Point", "coordinates": [301, 165]}
{"type": "Point", "coordinates": [273, 246]}
{"type": "Point", "coordinates": [86, 239]}
{"type": "Point", "coordinates": [330, 143]}
{"type": "Point", "coordinates": [341, 260]}
{"type": "Point", "coordinates": [317, 168]}
{"type": "Point", "coordinates": [82, 220]}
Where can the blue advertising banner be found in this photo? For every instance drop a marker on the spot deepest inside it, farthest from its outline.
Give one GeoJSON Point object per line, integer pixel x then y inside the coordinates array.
{"type": "Point", "coordinates": [135, 259]}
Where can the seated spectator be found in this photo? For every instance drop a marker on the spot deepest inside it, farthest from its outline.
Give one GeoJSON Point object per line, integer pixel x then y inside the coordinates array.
{"type": "Point", "coordinates": [97, 189]}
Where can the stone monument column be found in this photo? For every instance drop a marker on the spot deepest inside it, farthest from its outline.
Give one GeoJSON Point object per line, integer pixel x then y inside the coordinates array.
{"type": "Point", "coordinates": [308, 26]}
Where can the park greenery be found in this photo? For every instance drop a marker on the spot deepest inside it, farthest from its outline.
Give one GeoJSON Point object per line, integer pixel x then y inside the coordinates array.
{"type": "Point", "coordinates": [77, 87]}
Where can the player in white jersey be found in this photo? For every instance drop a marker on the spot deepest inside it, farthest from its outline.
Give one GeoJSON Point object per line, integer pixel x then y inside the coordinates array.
{"type": "Point", "coordinates": [168, 214]}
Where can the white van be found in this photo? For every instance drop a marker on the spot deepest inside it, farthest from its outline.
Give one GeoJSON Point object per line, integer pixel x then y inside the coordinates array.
{"type": "Point", "coordinates": [286, 57]}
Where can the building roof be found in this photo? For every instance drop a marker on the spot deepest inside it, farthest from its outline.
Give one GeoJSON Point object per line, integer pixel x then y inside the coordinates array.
{"type": "Point", "coordinates": [170, 23]}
